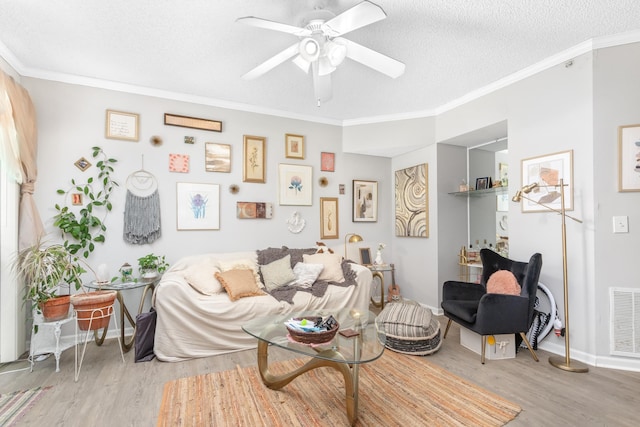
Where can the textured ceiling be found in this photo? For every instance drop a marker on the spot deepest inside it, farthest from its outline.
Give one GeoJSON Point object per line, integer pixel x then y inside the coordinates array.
{"type": "Point", "coordinates": [195, 48]}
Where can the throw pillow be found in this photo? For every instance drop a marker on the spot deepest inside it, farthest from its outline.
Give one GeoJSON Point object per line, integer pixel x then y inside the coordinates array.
{"type": "Point", "coordinates": [306, 274]}
{"type": "Point", "coordinates": [277, 273]}
{"type": "Point", "coordinates": [202, 278]}
{"type": "Point", "coordinates": [332, 271]}
{"type": "Point", "coordinates": [503, 282]}
{"type": "Point", "coordinates": [239, 283]}
{"type": "Point", "coordinates": [241, 264]}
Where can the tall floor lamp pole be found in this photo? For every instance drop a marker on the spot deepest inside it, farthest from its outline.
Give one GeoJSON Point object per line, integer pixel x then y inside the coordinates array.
{"type": "Point", "coordinates": [564, 363]}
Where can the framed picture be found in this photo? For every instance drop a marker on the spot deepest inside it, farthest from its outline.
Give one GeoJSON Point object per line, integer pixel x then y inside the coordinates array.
{"type": "Point", "coordinates": [502, 202]}
{"type": "Point", "coordinates": [294, 146]}
{"type": "Point", "coordinates": [503, 173]}
{"type": "Point", "coordinates": [295, 184]}
{"type": "Point", "coordinates": [412, 201]}
{"type": "Point", "coordinates": [76, 199]}
{"type": "Point", "coordinates": [192, 122]}
{"type": "Point", "coordinates": [629, 158]}
{"type": "Point", "coordinates": [365, 201]}
{"type": "Point", "coordinates": [121, 125]}
{"type": "Point", "coordinates": [217, 157]}
{"type": "Point", "coordinates": [329, 218]}
{"type": "Point", "coordinates": [82, 164]}
{"type": "Point", "coordinates": [327, 162]}
{"type": "Point", "coordinates": [198, 206]}
{"type": "Point", "coordinates": [254, 210]}
{"type": "Point", "coordinates": [365, 256]}
{"type": "Point", "coordinates": [547, 171]}
{"type": "Point", "coordinates": [483, 183]}
{"type": "Point", "coordinates": [253, 162]}
{"type": "Point", "coordinates": [179, 163]}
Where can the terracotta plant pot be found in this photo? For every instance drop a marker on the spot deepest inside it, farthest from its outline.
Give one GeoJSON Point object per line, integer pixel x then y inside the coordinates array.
{"type": "Point", "coordinates": [55, 309]}
{"type": "Point", "coordinates": [93, 309]}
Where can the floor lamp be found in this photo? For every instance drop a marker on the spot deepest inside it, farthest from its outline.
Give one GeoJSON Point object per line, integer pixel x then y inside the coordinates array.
{"type": "Point", "coordinates": [564, 363]}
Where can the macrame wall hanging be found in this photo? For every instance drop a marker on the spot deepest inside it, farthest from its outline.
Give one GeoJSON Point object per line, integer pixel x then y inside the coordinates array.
{"type": "Point", "coordinates": [142, 208]}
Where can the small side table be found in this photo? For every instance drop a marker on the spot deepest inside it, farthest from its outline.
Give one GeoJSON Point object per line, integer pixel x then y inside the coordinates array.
{"type": "Point", "coordinates": [48, 339]}
{"type": "Point", "coordinates": [378, 277]}
{"type": "Point", "coordinates": [149, 285]}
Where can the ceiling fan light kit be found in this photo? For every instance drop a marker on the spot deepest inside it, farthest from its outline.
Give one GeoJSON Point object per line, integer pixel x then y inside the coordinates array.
{"type": "Point", "coordinates": [321, 48]}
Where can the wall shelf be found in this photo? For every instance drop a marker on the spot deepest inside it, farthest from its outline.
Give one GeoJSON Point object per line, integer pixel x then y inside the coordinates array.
{"type": "Point", "coordinates": [494, 191]}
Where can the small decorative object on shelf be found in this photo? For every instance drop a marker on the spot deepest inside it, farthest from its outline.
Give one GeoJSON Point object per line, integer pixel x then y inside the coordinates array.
{"type": "Point", "coordinates": [378, 260]}
{"type": "Point", "coordinates": [126, 272]}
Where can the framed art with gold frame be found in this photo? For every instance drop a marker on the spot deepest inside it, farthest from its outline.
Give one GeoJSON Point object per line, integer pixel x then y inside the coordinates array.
{"type": "Point", "coordinates": [329, 218]}
{"type": "Point", "coordinates": [547, 170]}
{"type": "Point", "coordinates": [294, 146]}
{"type": "Point", "coordinates": [121, 125]}
{"type": "Point", "coordinates": [192, 122]}
{"type": "Point", "coordinates": [217, 157]}
{"type": "Point", "coordinates": [629, 158]}
{"type": "Point", "coordinates": [253, 161]}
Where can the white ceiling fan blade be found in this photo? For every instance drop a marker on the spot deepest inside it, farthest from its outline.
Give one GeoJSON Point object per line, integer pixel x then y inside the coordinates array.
{"type": "Point", "coordinates": [272, 62]}
{"type": "Point", "coordinates": [275, 26]}
{"type": "Point", "coordinates": [302, 63]}
{"type": "Point", "coordinates": [321, 85]}
{"type": "Point", "coordinates": [373, 59]}
{"type": "Point", "coordinates": [358, 16]}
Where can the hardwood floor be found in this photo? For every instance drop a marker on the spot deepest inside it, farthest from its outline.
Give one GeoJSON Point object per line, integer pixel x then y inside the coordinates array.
{"type": "Point", "coordinates": [110, 393]}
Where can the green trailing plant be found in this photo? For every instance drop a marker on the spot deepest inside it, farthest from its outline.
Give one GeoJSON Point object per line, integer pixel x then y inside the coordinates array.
{"type": "Point", "coordinates": [152, 262]}
{"type": "Point", "coordinates": [82, 230]}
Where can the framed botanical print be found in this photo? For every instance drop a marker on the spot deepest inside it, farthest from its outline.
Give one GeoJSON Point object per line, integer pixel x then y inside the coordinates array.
{"type": "Point", "coordinates": [329, 218]}
{"type": "Point", "coordinates": [253, 162]}
{"type": "Point", "coordinates": [295, 184]}
{"type": "Point", "coordinates": [198, 206]}
{"type": "Point", "coordinates": [365, 201]}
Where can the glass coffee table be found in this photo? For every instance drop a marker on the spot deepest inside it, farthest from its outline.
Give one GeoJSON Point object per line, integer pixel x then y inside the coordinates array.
{"type": "Point", "coordinates": [341, 353]}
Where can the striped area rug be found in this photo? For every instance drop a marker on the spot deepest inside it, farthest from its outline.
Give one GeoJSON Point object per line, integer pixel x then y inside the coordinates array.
{"type": "Point", "coordinates": [395, 390]}
{"type": "Point", "coordinates": [14, 405]}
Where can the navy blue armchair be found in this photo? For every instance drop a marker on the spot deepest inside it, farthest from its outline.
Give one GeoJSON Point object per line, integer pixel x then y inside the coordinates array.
{"type": "Point", "coordinates": [470, 306]}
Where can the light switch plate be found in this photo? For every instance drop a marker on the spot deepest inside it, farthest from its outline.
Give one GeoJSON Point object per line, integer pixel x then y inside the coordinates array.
{"type": "Point", "coordinates": [620, 224]}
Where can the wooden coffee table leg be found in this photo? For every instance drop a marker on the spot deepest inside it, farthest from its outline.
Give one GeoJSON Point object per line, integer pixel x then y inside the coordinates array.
{"type": "Point", "coordinates": [276, 382]}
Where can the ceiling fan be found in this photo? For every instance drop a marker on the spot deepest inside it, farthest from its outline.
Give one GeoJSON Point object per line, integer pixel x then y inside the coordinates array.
{"type": "Point", "coordinates": [321, 48]}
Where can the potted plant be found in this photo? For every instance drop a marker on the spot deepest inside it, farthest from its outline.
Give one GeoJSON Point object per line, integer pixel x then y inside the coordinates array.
{"type": "Point", "coordinates": [44, 268]}
{"type": "Point", "coordinates": [150, 266]}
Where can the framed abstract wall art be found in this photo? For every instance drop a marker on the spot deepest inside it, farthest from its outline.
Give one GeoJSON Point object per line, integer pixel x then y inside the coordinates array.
{"type": "Point", "coordinates": [198, 206]}
{"type": "Point", "coordinates": [547, 171]}
{"type": "Point", "coordinates": [365, 201]}
{"type": "Point", "coordinates": [629, 158]}
{"type": "Point", "coordinates": [327, 162]}
{"type": "Point", "coordinates": [412, 207]}
{"type": "Point", "coordinates": [217, 157]}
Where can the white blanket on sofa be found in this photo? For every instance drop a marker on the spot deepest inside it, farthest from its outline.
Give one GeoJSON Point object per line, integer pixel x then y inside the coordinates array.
{"type": "Point", "coordinates": [192, 325]}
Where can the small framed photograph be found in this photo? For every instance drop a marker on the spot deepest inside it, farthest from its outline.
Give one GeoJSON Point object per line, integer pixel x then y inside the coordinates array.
{"type": "Point", "coordinates": [547, 171]}
{"type": "Point", "coordinates": [629, 158]}
{"type": "Point", "coordinates": [502, 203]}
{"type": "Point", "coordinates": [329, 218]}
{"type": "Point", "coordinates": [295, 184]}
{"type": "Point", "coordinates": [198, 206]}
{"type": "Point", "coordinates": [192, 122]}
{"type": "Point", "coordinates": [121, 125]}
{"type": "Point", "coordinates": [327, 162]}
{"type": "Point", "coordinates": [365, 201]}
{"type": "Point", "coordinates": [217, 157]}
{"type": "Point", "coordinates": [365, 256]}
{"type": "Point", "coordinates": [82, 164]}
{"type": "Point", "coordinates": [76, 199]}
{"type": "Point", "coordinates": [294, 146]}
{"type": "Point", "coordinates": [483, 183]}
{"type": "Point", "coordinates": [253, 162]}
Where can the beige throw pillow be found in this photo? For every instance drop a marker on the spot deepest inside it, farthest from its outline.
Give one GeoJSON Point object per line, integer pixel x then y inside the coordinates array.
{"type": "Point", "coordinates": [332, 271]}
{"type": "Point", "coordinates": [239, 284]}
{"type": "Point", "coordinates": [202, 278]}
{"type": "Point", "coordinates": [277, 273]}
{"type": "Point", "coordinates": [241, 264]}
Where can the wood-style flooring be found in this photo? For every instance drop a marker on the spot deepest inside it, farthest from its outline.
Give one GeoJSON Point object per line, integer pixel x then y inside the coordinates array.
{"type": "Point", "coordinates": [110, 393]}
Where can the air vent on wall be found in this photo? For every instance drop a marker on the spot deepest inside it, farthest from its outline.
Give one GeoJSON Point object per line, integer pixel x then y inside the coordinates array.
{"type": "Point", "coordinates": [625, 321]}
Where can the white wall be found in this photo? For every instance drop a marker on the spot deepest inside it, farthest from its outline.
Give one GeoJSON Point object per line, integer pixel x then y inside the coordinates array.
{"type": "Point", "coordinates": [71, 119]}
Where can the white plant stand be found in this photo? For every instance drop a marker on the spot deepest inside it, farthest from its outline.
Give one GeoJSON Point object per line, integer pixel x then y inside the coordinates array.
{"type": "Point", "coordinates": [48, 339]}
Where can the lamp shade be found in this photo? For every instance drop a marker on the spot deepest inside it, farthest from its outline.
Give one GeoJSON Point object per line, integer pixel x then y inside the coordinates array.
{"type": "Point", "coordinates": [309, 49]}
{"type": "Point", "coordinates": [335, 51]}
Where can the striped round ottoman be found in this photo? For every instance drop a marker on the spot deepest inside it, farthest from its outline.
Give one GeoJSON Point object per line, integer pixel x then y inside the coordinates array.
{"type": "Point", "coordinates": [410, 328]}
